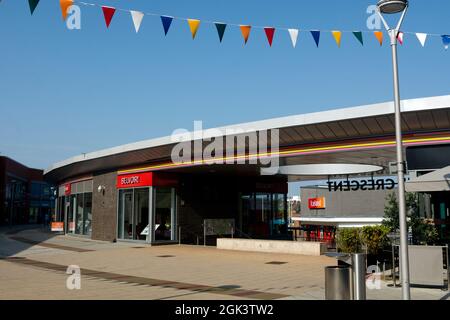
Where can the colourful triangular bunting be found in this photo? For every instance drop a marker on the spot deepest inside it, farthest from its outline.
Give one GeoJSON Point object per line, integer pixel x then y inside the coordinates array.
{"type": "Point", "coordinates": [400, 37]}
{"type": "Point", "coordinates": [293, 33]}
{"type": "Point", "coordinates": [358, 35]}
{"type": "Point", "coordinates": [245, 30]}
{"type": "Point", "coordinates": [166, 22]}
{"type": "Point", "coordinates": [65, 4]}
{"type": "Point", "coordinates": [446, 41]}
{"type": "Point", "coordinates": [270, 32]}
{"type": "Point", "coordinates": [33, 4]}
{"type": "Point", "coordinates": [137, 17]}
{"type": "Point", "coordinates": [193, 25]}
{"type": "Point", "coordinates": [108, 13]}
{"type": "Point", "coordinates": [220, 29]}
{"type": "Point", "coordinates": [316, 36]}
{"type": "Point", "coordinates": [422, 37]}
{"type": "Point", "coordinates": [379, 36]}
{"type": "Point", "coordinates": [337, 35]}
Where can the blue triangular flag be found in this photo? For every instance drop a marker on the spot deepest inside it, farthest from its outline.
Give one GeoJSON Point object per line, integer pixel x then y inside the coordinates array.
{"type": "Point", "coordinates": [166, 22]}
{"type": "Point", "coordinates": [316, 36]}
{"type": "Point", "coordinates": [33, 4]}
{"type": "Point", "coordinates": [446, 41]}
{"type": "Point", "coordinates": [220, 29]}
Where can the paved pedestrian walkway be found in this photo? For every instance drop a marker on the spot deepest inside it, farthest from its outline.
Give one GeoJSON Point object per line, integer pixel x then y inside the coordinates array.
{"type": "Point", "coordinates": [33, 264]}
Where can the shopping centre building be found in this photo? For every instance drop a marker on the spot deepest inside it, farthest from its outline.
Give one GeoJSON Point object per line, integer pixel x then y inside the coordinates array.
{"type": "Point", "coordinates": [25, 198]}
{"type": "Point", "coordinates": [137, 192]}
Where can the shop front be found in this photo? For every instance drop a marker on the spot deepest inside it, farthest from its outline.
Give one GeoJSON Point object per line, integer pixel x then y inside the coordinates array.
{"type": "Point", "coordinates": [147, 207]}
{"type": "Point", "coordinates": [74, 207]}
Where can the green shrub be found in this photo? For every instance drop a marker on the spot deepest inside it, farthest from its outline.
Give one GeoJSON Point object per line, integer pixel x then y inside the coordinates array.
{"type": "Point", "coordinates": [374, 238]}
{"type": "Point", "coordinates": [356, 240]}
{"type": "Point", "coordinates": [348, 240]}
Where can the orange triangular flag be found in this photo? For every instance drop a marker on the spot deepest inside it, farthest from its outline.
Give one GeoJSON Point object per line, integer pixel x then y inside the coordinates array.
{"type": "Point", "coordinates": [337, 36]}
{"type": "Point", "coordinates": [379, 36]}
{"type": "Point", "coordinates": [65, 4]}
{"type": "Point", "coordinates": [245, 32]}
{"type": "Point", "coordinates": [193, 25]}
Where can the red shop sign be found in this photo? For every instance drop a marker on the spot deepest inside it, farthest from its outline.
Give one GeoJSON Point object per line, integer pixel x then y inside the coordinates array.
{"type": "Point", "coordinates": [135, 180]}
{"type": "Point", "coordinates": [316, 203]}
{"type": "Point", "coordinates": [67, 189]}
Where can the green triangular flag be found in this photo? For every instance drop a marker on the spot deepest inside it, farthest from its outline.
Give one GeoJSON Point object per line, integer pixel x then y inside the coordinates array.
{"type": "Point", "coordinates": [359, 36]}
{"type": "Point", "coordinates": [33, 4]}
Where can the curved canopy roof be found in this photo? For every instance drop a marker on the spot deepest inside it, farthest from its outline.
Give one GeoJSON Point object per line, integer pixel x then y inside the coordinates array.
{"type": "Point", "coordinates": [340, 127]}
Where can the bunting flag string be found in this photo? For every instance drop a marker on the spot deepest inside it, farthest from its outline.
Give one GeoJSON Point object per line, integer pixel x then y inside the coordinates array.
{"type": "Point", "coordinates": [65, 4]}
{"type": "Point", "coordinates": [193, 25]}
{"type": "Point", "coordinates": [446, 41]}
{"type": "Point", "coordinates": [379, 36]}
{"type": "Point", "coordinates": [359, 36]}
{"type": "Point", "coordinates": [33, 4]}
{"type": "Point", "coordinates": [166, 22]}
{"type": "Point", "coordinates": [422, 37]}
{"type": "Point", "coordinates": [108, 13]}
{"type": "Point", "coordinates": [337, 37]}
{"type": "Point", "coordinates": [245, 30]}
{"type": "Point", "coordinates": [270, 32]}
{"type": "Point", "coordinates": [293, 33]}
{"type": "Point", "coordinates": [316, 36]}
{"type": "Point", "coordinates": [137, 18]}
{"type": "Point", "coordinates": [400, 37]}
{"type": "Point", "coordinates": [220, 29]}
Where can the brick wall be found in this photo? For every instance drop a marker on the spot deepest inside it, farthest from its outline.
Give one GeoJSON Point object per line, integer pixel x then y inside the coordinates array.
{"type": "Point", "coordinates": [104, 207]}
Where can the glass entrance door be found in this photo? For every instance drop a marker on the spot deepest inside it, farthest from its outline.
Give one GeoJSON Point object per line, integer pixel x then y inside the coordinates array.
{"type": "Point", "coordinates": [140, 214]}
{"type": "Point", "coordinates": [164, 214]}
{"type": "Point", "coordinates": [133, 214]}
{"type": "Point", "coordinates": [125, 219]}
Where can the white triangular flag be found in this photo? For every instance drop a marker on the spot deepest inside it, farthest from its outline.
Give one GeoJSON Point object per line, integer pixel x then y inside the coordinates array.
{"type": "Point", "coordinates": [422, 38]}
{"type": "Point", "coordinates": [294, 35]}
{"type": "Point", "coordinates": [137, 19]}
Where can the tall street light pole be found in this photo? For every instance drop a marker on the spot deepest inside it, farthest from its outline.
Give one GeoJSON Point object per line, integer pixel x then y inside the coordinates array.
{"type": "Point", "coordinates": [392, 7]}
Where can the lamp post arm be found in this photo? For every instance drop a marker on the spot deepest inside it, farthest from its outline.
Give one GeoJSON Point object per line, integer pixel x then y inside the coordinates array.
{"type": "Point", "coordinates": [383, 20]}
{"type": "Point", "coordinates": [400, 22]}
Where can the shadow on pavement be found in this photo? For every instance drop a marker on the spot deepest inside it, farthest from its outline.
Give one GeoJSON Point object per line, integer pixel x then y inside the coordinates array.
{"type": "Point", "coordinates": [16, 239]}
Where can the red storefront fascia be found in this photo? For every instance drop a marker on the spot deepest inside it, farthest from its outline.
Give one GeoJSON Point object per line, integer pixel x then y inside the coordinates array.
{"type": "Point", "coordinates": [145, 179]}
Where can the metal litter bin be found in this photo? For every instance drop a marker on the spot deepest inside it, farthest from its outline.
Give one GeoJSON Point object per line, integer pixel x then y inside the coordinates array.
{"type": "Point", "coordinates": [337, 283]}
{"type": "Point", "coordinates": [355, 263]}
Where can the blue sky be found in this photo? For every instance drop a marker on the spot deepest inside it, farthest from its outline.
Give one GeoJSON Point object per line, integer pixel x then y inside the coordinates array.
{"type": "Point", "coordinates": [68, 92]}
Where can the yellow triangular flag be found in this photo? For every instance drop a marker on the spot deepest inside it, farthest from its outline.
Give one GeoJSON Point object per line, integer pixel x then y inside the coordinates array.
{"type": "Point", "coordinates": [65, 4]}
{"type": "Point", "coordinates": [379, 36]}
{"type": "Point", "coordinates": [337, 36]}
{"type": "Point", "coordinates": [193, 25]}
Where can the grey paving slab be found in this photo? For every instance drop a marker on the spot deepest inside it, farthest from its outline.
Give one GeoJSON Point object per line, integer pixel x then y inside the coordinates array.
{"type": "Point", "coordinates": [189, 270]}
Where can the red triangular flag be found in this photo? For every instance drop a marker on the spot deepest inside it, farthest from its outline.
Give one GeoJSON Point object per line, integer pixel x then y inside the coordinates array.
{"type": "Point", "coordinates": [108, 13]}
{"type": "Point", "coordinates": [270, 32]}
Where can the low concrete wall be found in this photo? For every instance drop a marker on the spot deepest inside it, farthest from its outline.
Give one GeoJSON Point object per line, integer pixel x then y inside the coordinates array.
{"type": "Point", "coordinates": [273, 246]}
